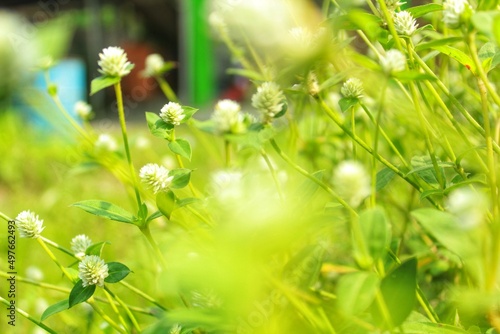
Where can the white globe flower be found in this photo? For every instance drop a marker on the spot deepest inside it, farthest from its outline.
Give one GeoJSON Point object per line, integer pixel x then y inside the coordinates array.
{"type": "Point", "coordinates": [29, 225]}
{"type": "Point", "coordinates": [155, 177]}
{"type": "Point", "coordinates": [113, 62]}
{"type": "Point", "coordinates": [92, 270]}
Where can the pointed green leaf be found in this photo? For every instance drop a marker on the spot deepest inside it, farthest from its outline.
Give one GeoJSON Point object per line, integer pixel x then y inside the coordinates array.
{"type": "Point", "coordinates": [357, 291]}
{"type": "Point", "coordinates": [252, 75]}
{"type": "Point", "coordinates": [458, 55]}
{"type": "Point", "coordinates": [303, 269]}
{"type": "Point", "coordinates": [153, 216]}
{"type": "Point", "coordinates": [432, 328]}
{"type": "Point", "coordinates": [398, 290]}
{"type": "Point", "coordinates": [188, 113]}
{"type": "Point", "coordinates": [186, 201]}
{"type": "Point", "coordinates": [79, 294]}
{"type": "Point", "coordinates": [419, 11]}
{"type": "Point", "coordinates": [107, 210]}
{"type": "Point", "coordinates": [438, 42]}
{"type": "Point", "coordinates": [157, 126]}
{"type": "Point", "coordinates": [102, 82]}
{"type": "Point", "coordinates": [55, 308]}
{"type": "Point", "coordinates": [181, 147]}
{"type": "Point", "coordinates": [384, 177]}
{"type": "Point", "coordinates": [165, 201]}
{"type": "Point", "coordinates": [181, 177]}
{"type": "Point", "coordinates": [347, 102]}
{"type": "Point", "coordinates": [117, 271]}
{"type": "Point", "coordinates": [96, 249]}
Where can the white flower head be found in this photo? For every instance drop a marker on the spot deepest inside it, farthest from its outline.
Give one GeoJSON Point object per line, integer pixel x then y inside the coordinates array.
{"type": "Point", "coordinates": [34, 273]}
{"type": "Point", "coordinates": [172, 113]}
{"type": "Point", "coordinates": [106, 142]}
{"type": "Point", "coordinates": [453, 11]}
{"type": "Point", "coordinates": [269, 100]}
{"type": "Point", "coordinates": [92, 270]}
{"type": "Point", "coordinates": [79, 245]}
{"type": "Point", "coordinates": [469, 206]}
{"type": "Point", "coordinates": [114, 62]}
{"type": "Point", "coordinates": [404, 23]}
{"type": "Point", "coordinates": [153, 65]}
{"type": "Point", "coordinates": [227, 117]}
{"type": "Point", "coordinates": [155, 177]}
{"type": "Point", "coordinates": [29, 225]}
{"type": "Point", "coordinates": [352, 88]}
{"type": "Point", "coordinates": [83, 110]}
{"type": "Point", "coordinates": [352, 182]}
{"type": "Point", "coordinates": [393, 61]}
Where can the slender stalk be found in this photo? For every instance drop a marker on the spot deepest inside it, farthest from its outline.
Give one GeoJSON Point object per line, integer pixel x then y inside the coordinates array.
{"type": "Point", "coordinates": [227, 150]}
{"type": "Point", "coordinates": [311, 177]}
{"type": "Point", "coordinates": [143, 295]}
{"type": "Point", "coordinates": [29, 317]}
{"type": "Point", "coordinates": [390, 24]}
{"type": "Point", "coordinates": [123, 125]}
{"type": "Point", "coordinates": [59, 247]}
{"type": "Point", "coordinates": [273, 174]}
{"type": "Point", "coordinates": [353, 129]}
{"type": "Point", "coordinates": [147, 233]}
{"type": "Point", "coordinates": [53, 258]}
{"type": "Point", "coordinates": [166, 89]}
{"type": "Point", "coordinates": [115, 309]}
{"type": "Point", "coordinates": [5, 217]}
{"type": "Point", "coordinates": [105, 316]}
{"type": "Point", "coordinates": [125, 307]}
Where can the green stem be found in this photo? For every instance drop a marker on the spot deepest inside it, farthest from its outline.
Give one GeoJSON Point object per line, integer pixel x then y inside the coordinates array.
{"type": "Point", "coordinates": [375, 156]}
{"type": "Point", "coordinates": [5, 217]}
{"type": "Point", "coordinates": [126, 308]}
{"type": "Point", "coordinates": [30, 318]}
{"type": "Point", "coordinates": [123, 125]}
{"type": "Point", "coordinates": [104, 316]}
{"type": "Point", "coordinates": [115, 309]}
{"type": "Point", "coordinates": [273, 174]}
{"type": "Point", "coordinates": [353, 129]}
{"type": "Point", "coordinates": [53, 258]}
{"type": "Point", "coordinates": [143, 295]}
{"type": "Point", "coordinates": [166, 89]}
{"type": "Point", "coordinates": [390, 24]}
{"type": "Point", "coordinates": [59, 247]}
{"type": "Point", "coordinates": [147, 233]}
{"type": "Point", "coordinates": [227, 150]}
{"type": "Point", "coordinates": [311, 177]}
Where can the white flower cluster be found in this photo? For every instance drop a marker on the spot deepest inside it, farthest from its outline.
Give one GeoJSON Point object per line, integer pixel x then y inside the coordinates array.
{"type": "Point", "coordinates": [29, 225]}
{"type": "Point", "coordinates": [155, 177]}
{"type": "Point", "coordinates": [404, 23]}
{"type": "Point", "coordinates": [352, 182]}
{"type": "Point", "coordinates": [269, 100]}
{"type": "Point", "coordinates": [227, 117]}
{"type": "Point", "coordinates": [393, 61]}
{"type": "Point", "coordinates": [83, 110]}
{"type": "Point", "coordinates": [153, 65]}
{"type": "Point", "coordinates": [92, 270]}
{"type": "Point", "coordinates": [352, 88]}
{"type": "Point", "coordinates": [113, 62]}
{"type": "Point", "coordinates": [79, 245]}
{"type": "Point", "coordinates": [105, 143]}
{"type": "Point", "coordinates": [453, 10]}
{"type": "Point", "coordinates": [172, 113]}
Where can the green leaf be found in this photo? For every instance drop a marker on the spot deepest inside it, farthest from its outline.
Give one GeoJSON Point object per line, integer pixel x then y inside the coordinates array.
{"type": "Point", "coordinates": [252, 75]}
{"type": "Point", "coordinates": [181, 147]}
{"type": "Point", "coordinates": [107, 210]}
{"type": "Point", "coordinates": [96, 249]}
{"type": "Point", "coordinates": [496, 31]}
{"type": "Point", "coordinates": [398, 289]}
{"type": "Point", "coordinates": [55, 308]}
{"type": "Point", "coordinates": [419, 11]}
{"type": "Point", "coordinates": [458, 55]}
{"type": "Point", "coordinates": [188, 113]}
{"type": "Point", "coordinates": [347, 102]}
{"type": "Point", "coordinates": [370, 24]}
{"type": "Point", "coordinates": [384, 177]}
{"type": "Point", "coordinates": [117, 271]}
{"type": "Point", "coordinates": [431, 328]}
{"type": "Point", "coordinates": [489, 54]}
{"type": "Point", "coordinates": [79, 294]}
{"type": "Point", "coordinates": [438, 42]}
{"type": "Point", "coordinates": [181, 177]}
{"type": "Point", "coordinates": [157, 126]}
{"type": "Point", "coordinates": [376, 231]}
{"type": "Point", "coordinates": [357, 291]}
{"type": "Point", "coordinates": [102, 82]}
{"type": "Point", "coordinates": [186, 201]}
{"type": "Point", "coordinates": [483, 21]}
{"type": "Point", "coordinates": [155, 215]}
{"type": "Point", "coordinates": [165, 201]}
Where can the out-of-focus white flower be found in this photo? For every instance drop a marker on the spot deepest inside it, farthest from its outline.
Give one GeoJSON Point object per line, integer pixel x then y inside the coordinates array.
{"type": "Point", "coordinates": [79, 245]}
{"type": "Point", "coordinates": [142, 142]}
{"type": "Point", "coordinates": [92, 270]}
{"type": "Point", "coordinates": [469, 206]}
{"type": "Point", "coordinates": [227, 117]}
{"type": "Point", "coordinates": [153, 65]}
{"type": "Point", "coordinates": [34, 273]}
{"type": "Point", "coordinates": [393, 61]}
{"type": "Point", "coordinates": [29, 225]}
{"type": "Point", "coordinates": [453, 11]}
{"type": "Point", "coordinates": [176, 329]}
{"type": "Point", "coordinates": [106, 142]}
{"type": "Point", "coordinates": [155, 177]}
{"type": "Point", "coordinates": [352, 182]}
{"type": "Point", "coordinates": [172, 113]}
{"type": "Point", "coordinates": [226, 186]}
{"type": "Point", "coordinates": [114, 62]}
{"type": "Point", "coordinates": [217, 22]}
{"type": "Point", "coordinates": [404, 23]}
{"type": "Point", "coordinates": [83, 110]}
{"type": "Point", "coordinates": [269, 100]}
{"type": "Point", "coordinates": [352, 88]}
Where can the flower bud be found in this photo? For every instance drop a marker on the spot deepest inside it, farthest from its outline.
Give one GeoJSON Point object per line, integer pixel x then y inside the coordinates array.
{"type": "Point", "coordinates": [270, 101]}
{"type": "Point", "coordinates": [79, 245]}
{"type": "Point", "coordinates": [404, 23]}
{"type": "Point", "coordinates": [352, 88]}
